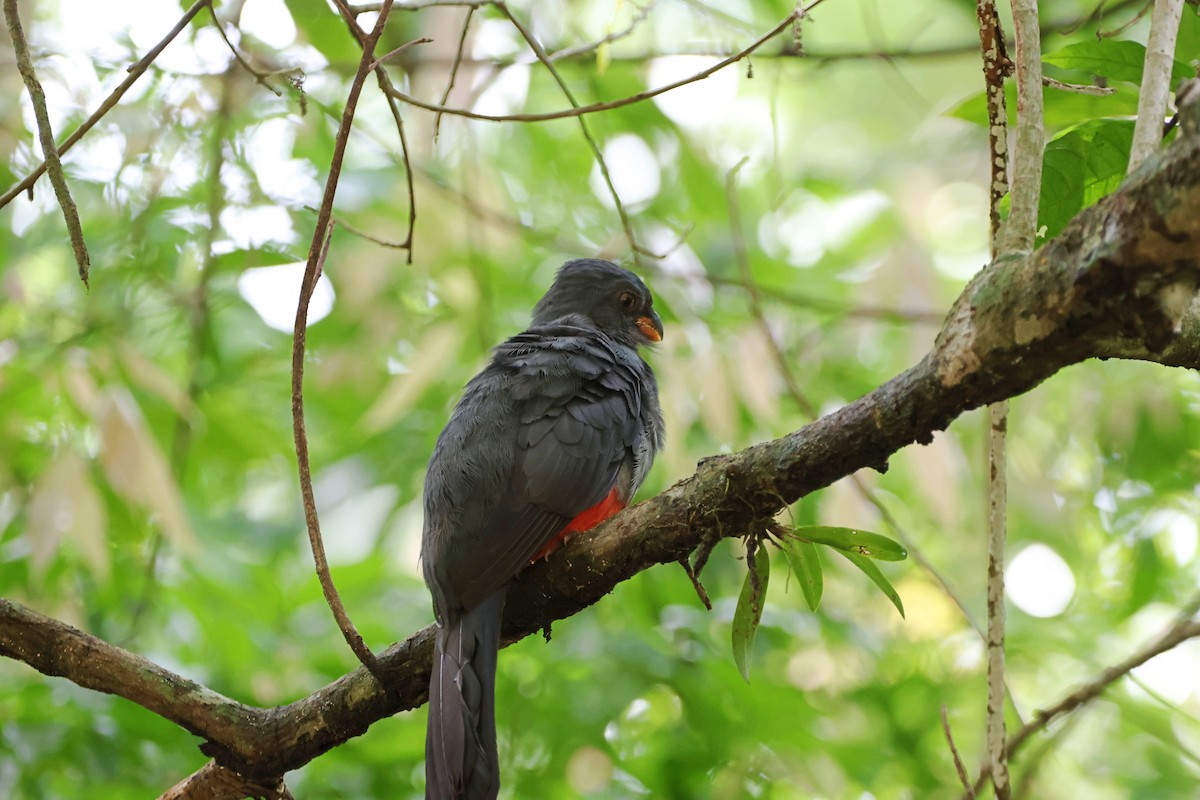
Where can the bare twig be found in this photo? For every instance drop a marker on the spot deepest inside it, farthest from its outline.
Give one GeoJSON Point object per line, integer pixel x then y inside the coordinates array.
{"type": "Point", "coordinates": [996, 66]}
{"type": "Point", "coordinates": [259, 77]}
{"type": "Point", "coordinates": [348, 228]}
{"type": "Point", "coordinates": [597, 154]}
{"type": "Point", "coordinates": [1026, 179]}
{"type": "Point", "coordinates": [312, 271]}
{"type": "Point", "coordinates": [1030, 140]}
{"type": "Point", "coordinates": [46, 135]}
{"type": "Point", "coordinates": [790, 51]}
{"type": "Point", "coordinates": [694, 577]}
{"type": "Point", "coordinates": [135, 71]}
{"type": "Point", "coordinates": [415, 5]}
{"type": "Point", "coordinates": [997, 529]}
{"type": "Point", "coordinates": [592, 108]}
{"type": "Point", "coordinates": [591, 47]}
{"type": "Point", "coordinates": [1147, 5]}
{"type": "Point", "coordinates": [1156, 80]}
{"type": "Point", "coordinates": [958, 762]}
{"type": "Point", "coordinates": [385, 85]}
{"type": "Point", "coordinates": [824, 304]}
{"type": "Point", "coordinates": [458, 57]}
{"type": "Point", "coordinates": [397, 51]}
{"type": "Point", "coordinates": [1183, 628]}
{"type": "Point", "coordinates": [1076, 88]}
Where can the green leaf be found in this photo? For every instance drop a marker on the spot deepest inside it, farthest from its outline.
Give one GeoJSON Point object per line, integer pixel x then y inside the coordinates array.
{"type": "Point", "coordinates": [240, 260]}
{"type": "Point", "coordinates": [1118, 60]}
{"type": "Point", "coordinates": [873, 572]}
{"type": "Point", "coordinates": [325, 31]}
{"type": "Point", "coordinates": [1146, 574]}
{"type": "Point", "coordinates": [805, 562]}
{"type": "Point", "coordinates": [749, 611]}
{"type": "Point", "coordinates": [1187, 43]}
{"type": "Point", "coordinates": [1081, 166]}
{"type": "Point", "coordinates": [864, 543]}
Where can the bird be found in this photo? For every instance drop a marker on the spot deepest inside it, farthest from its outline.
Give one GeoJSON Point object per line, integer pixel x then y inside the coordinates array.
{"type": "Point", "coordinates": [552, 437]}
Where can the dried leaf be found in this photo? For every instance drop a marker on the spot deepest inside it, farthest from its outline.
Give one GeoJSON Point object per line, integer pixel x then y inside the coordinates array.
{"type": "Point", "coordinates": [65, 501]}
{"type": "Point", "coordinates": [137, 469]}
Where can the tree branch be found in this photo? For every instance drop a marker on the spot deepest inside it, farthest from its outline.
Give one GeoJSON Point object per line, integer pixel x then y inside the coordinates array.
{"type": "Point", "coordinates": [1110, 277]}
{"type": "Point", "coordinates": [1156, 80]}
{"type": "Point", "coordinates": [579, 111]}
{"type": "Point", "coordinates": [1182, 629]}
{"type": "Point", "coordinates": [58, 179]}
{"type": "Point", "coordinates": [135, 71]}
{"type": "Point", "coordinates": [312, 272]}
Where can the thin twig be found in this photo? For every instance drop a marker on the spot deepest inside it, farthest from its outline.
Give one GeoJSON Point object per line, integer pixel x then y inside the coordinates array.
{"type": "Point", "coordinates": [415, 5]}
{"type": "Point", "coordinates": [1076, 88]}
{"type": "Point", "coordinates": [1117, 31]}
{"type": "Point", "coordinates": [458, 58]}
{"type": "Point", "coordinates": [1025, 175]}
{"type": "Point", "coordinates": [312, 271]}
{"type": "Point", "coordinates": [597, 154]}
{"type": "Point", "coordinates": [1156, 80]}
{"type": "Point", "coordinates": [789, 50]}
{"type": "Point", "coordinates": [997, 530]}
{"type": "Point", "coordinates": [823, 304]}
{"type": "Point", "coordinates": [46, 136]}
{"type": "Point", "coordinates": [348, 228]}
{"type": "Point", "coordinates": [259, 77]}
{"type": "Point", "coordinates": [996, 66]}
{"type": "Point", "coordinates": [1025, 167]}
{"type": "Point", "coordinates": [398, 50]}
{"type": "Point", "coordinates": [385, 86]}
{"type": "Point", "coordinates": [591, 47]}
{"type": "Point", "coordinates": [135, 71]}
{"type": "Point", "coordinates": [579, 111]}
{"type": "Point", "coordinates": [1181, 630]}
{"type": "Point", "coordinates": [701, 592]}
{"type": "Point", "coordinates": [958, 762]}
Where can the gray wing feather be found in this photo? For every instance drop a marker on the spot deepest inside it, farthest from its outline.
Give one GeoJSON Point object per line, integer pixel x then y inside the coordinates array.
{"type": "Point", "coordinates": [539, 436]}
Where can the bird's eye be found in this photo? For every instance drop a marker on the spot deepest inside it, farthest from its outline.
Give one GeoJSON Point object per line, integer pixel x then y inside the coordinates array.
{"type": "Point", "coordinates": [627, 300]}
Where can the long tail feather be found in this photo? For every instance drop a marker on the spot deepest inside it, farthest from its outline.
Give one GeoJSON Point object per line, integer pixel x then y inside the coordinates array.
{"type": "Point", "coordinates": [460, 743]}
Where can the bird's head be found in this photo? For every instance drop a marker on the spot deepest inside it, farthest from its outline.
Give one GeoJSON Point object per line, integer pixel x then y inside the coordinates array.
{"type": "Point", "coordinates": [612, 298]}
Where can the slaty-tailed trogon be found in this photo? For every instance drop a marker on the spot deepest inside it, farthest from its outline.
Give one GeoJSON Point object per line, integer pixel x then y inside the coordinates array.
{"type": "Point", "coordinates": [553, 436]}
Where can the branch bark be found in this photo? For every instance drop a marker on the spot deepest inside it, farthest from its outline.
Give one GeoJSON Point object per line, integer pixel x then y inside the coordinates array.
{"type": "Point", "coordinates": [1117, 282]}
{"type": "Point", "coordinates": [37, 97]}
{"type": "Point", "coordinates": [1156, 80]}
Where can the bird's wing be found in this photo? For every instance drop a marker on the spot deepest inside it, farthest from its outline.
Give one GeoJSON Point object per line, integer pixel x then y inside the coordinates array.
{"type": "Point", "coordinates": [578, 397]}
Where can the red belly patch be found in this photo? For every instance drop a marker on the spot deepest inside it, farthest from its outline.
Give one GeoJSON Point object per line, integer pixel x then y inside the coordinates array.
{"type": "Point", "coordinates": [585, 520]}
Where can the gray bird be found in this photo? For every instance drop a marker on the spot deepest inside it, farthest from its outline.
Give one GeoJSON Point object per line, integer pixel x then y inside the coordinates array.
{"type": "Point", "coordinates": [554, 436]}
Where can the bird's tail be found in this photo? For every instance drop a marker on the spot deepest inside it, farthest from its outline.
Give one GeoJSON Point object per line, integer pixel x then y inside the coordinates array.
{"type": "Point", "coordinates": [460, 743]}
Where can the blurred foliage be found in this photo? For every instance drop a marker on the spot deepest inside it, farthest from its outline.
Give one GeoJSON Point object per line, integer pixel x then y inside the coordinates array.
{"type": "Point", "coordinates": [147, 480]}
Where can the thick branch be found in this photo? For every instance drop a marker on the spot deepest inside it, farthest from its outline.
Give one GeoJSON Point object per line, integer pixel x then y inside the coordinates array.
{"type": "Point", "coordinates": [1113, 276]}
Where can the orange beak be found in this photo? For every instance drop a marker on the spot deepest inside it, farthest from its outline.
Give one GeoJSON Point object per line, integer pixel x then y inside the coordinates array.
{"type": "Point", "coordinates": [651, 327]}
